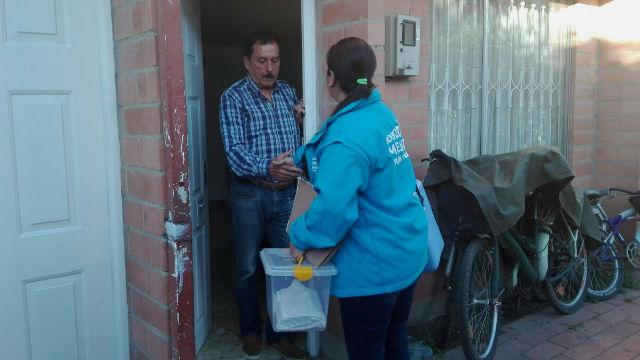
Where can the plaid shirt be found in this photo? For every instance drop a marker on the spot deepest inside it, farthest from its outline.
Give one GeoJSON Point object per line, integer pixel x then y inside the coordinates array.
{"type": "Point", "coordinates": [255, 129]}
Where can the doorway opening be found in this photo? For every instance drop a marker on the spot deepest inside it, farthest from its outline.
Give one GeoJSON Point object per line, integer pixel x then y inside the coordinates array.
{"type": "Point", "coordinates": [224, 26]}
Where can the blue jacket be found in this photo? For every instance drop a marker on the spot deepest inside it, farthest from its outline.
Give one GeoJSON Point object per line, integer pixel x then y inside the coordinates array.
{"type": "Point", "coordinates": [362, 172]}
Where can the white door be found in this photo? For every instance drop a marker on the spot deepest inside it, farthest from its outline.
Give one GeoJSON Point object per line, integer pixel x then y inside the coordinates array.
{"type": "Point", "coordinates": [194, 85]}
{"type": "Point", "coordinates": [61, 284]}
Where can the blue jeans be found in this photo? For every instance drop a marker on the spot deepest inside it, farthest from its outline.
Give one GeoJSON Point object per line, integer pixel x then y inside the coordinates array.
{"type": "Point", "coordinates": [258, 213]}
{"type": "Point", "coordinates": [375, 327]}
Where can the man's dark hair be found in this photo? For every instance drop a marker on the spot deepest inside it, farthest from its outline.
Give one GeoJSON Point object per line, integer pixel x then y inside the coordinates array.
{"type": "Point", "coordinates": [261, 38]}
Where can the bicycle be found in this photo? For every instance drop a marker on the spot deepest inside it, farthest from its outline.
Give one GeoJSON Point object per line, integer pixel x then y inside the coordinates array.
{"type": "Point", "coordinates": [543, 244]}
{"type": "Point", "coordinates": [606, 261]}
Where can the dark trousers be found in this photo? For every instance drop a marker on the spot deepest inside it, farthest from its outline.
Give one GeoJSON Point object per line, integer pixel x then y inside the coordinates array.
{"type": "Point", "coordinates": [257, 213]}
{"type": "Point", "coordinates": [375, 327]}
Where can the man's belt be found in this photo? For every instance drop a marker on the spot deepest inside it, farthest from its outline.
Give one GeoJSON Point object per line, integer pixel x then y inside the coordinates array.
{"type": "Point", "coordinates": [269, 184]}
{"type": "Point", "coordinates": [272, 184]}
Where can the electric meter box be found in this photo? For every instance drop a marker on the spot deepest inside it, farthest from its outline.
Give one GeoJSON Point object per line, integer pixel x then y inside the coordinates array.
{"type": "Point", "coordinates": [402, 45]}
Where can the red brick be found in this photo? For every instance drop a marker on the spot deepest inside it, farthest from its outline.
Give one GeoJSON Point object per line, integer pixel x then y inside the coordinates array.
{"type": "Point", "coordinates": [420, 8]}
{"type": "Point", "coordinates": [585, 92]}
{"type": "Point", "coordinates": [583, 169]}
{"type": "Point", "coordinates": [632, 344]}
{"type": "Point", "coordinates": [136, 354]}
{"type": "Point", "coordinates": [418, 90]}
{"type": "Point", "coordinates": [627, 154]}
{"type": "Point", "coordinates": [583, 154]}
{"type": "Point", "coordinates": [143, 121]}
{"type": "Point", "coordinates": [372, 33]}
{"type": "Point", "coordinates": [606, 154]}
{"type": "Point", "coordinates": [568, 339]}
{"type": "Point", "coordinates": [617, 352]}
{"type": "Point", "coordinates": [583, 138]}
{"type": "Point", "coordinates": [138, 333]}
{"type": "Point", "coordinates": [607, 125]}
{"type": "Point", "coordinates": [115, 3]}
{"type": "Point", "coordinates": [408, 115]}
{"type": "Point", "coordinates": [137, 54]}
{"type": "Point", "coordinates": [586, 60]}
{"type": "Point", "coordinates": [417, 150]}
{"type": "Point", "coordinates": [133, 214]}
{"type": "Point", "coordinates": [397, 6]}
{"type": "Point", "coordinates": [158, 348]}
{"type": "Point", "coordinates": [612, 46]}
{"type": "Point", "coordinates": [613, 91]}
{"type": "Point", "coordinates": [629, 169]}
{"type": "Point", "coordinates": [618, 139]}
{"type": "Point", "coordinates": [617, 58]}
{"type": "Point", "coordinates": [585, 108]}
{"type": "Point", "coordinates": [149, 311]}
{"type": "Point", "coordinates": [145, 186]}
{"type": "Point", "coordinates": [590, 46]}
{"type": "Point", "coordinates": [138, 88]}
{"type": "Point", "coordinates": [157, 286]}
{"type": "Point", "coordinates": [417, 133]}
{"type": "Point", "coordinates": [629, 124]}
{"type": "Point", "coordinates": [147, 250]}
{"type": "Point", "coordinates": [625, 328]}
{"type": "Point", "coordinates": [134, 19]}
{"type": "Point", "coordinates": [136, 275]}
{"type": "Point", "coordinates": [584, 124]}
{"type": "Point", "coordinates": [342, 11]}
{"type": "Point", "coordinates": [545, 350]}
{"type": "Point", "coordinates": [144, 217]}
{"type": "Point", "coordinates": [143, 153]}
{"type": "Point", "coordinates": [583, 182]}
{"type": "Point", "coordinates": [396, 91]}
{"type": "Point", "coordinates": [606, 339]}
{"type": "Point", "coordinates": [330, 37]}
{"type": "Point", "coordinates": [619, 75]}
{"type": "Point", "coordinates": [585, 351]}
{"type": "Point", "coordinates": [586, 76]}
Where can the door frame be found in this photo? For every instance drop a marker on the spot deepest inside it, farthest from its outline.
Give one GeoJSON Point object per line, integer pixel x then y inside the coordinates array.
{"type": "Point", "coordinates": [172, 68]}
{"type": "Point", "coordinates": [113, 171]}
{"type": "Point", "coordinates": [309, 67]}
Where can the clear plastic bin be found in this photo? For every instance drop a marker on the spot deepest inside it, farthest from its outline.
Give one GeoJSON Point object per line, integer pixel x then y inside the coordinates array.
{"type": "Point", "coordinates": [295, 305]}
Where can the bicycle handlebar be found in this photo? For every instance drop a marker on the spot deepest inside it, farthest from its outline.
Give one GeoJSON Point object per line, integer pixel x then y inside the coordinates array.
{"type": "Point", "coordinates": [624, 191]}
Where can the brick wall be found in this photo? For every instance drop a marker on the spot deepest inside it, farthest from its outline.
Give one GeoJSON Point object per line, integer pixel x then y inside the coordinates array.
{"type": "Point", "coordinates": [605, 131]}
{"type": "Point", "coordinates": [618, 119]}
{"type": "Point", "coordinates": [582, 127]}
{"type": "Point", "coordinates": [139, 115]}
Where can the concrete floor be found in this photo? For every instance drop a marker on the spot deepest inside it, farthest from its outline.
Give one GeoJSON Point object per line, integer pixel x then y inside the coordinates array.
{"type": "Point", "coordinates": [223, 341]}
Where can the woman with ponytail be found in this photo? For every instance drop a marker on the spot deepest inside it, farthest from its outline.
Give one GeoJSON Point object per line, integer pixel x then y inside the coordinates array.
{"type": "Point", "coordinates": [366, 201]}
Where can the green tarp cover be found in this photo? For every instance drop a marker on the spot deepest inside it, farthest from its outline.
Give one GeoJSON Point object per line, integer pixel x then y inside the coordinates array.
{"type": "Point", "coordinates": [500, 183]}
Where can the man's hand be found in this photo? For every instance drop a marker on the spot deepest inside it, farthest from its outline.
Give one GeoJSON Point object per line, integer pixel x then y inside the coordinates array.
{"type": "Point", "coordinates": [298, 111]}
{"type": "Point", "coordinates": [282, 167]}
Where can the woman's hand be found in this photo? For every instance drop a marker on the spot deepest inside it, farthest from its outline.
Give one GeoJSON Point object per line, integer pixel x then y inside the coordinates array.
{"type": "Point", "coordinates": [297, 253]}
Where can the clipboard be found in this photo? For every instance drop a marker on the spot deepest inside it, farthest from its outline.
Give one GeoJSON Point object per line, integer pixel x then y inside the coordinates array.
{"type": "Point", "coordinates": [305, 193]}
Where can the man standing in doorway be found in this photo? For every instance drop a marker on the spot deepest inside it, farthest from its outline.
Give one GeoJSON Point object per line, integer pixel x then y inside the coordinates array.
{"type": "Point", "coordinates": [260, 122]}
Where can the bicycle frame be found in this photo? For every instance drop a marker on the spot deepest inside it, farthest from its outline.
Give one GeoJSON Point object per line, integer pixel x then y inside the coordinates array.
{"type": "Point", "coordinates": [615, 223]}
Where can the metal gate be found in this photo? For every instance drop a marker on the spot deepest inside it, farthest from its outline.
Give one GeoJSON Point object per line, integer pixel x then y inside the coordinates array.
{"type": "Point", "coordinates": [499, 77]}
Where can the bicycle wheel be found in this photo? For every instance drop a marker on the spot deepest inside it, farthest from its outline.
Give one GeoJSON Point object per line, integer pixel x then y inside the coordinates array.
{"type": "Point", "coordinates": [606, 273]}
{"type": "Point", "coordinates": [567, 277]}
{"type": "Point", "coordinates": [478, 313]}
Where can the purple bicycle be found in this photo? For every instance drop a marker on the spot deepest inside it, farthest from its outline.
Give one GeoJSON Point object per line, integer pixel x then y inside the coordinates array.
{"type": "Point", "coordinates": [607, 261]}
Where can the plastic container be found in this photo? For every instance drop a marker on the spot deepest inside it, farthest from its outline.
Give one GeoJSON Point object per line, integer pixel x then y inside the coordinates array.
{"type": "Point", "coordinates": [295, 305]}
